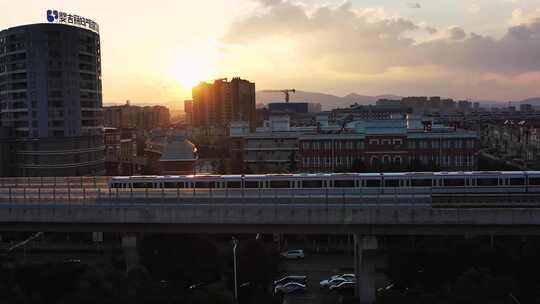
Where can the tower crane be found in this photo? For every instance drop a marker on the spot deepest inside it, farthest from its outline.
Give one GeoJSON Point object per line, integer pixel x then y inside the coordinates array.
{"type": "Point", "coordinates": [284, 91]}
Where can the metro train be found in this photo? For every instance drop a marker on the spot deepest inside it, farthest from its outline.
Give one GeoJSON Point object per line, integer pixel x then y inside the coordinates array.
{"type": "Point", "coordinates": [350, 183]}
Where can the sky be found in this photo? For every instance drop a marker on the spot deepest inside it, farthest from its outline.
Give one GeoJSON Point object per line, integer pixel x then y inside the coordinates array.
{"type": "Point", "coordinates": [154, 51]}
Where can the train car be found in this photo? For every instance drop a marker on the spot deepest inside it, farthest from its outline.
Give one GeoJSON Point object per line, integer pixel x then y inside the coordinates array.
{"type": "Point", "coordinates": [344, 183]}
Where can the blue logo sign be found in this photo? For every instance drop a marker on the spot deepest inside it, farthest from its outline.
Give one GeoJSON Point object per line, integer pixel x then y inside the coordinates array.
{"type": "Point", "coordinates": [63, 17]}
{"type": "Point", "coordinates": [52, 15]}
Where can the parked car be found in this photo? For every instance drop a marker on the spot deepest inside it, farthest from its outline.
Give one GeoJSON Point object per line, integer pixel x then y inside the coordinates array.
{"type": "Point", "coordinates": [343, 286]}
{"type": "Point", "coordinates": [287, 279]}
{"type": "Point", "coordinates": [293, 254]}
{"type": "Point", "coordinates": [331, 282]}
{"type": "Point", "coordinates": [290, 288]}
{"type": "Point", "coordinates": [348, 276]}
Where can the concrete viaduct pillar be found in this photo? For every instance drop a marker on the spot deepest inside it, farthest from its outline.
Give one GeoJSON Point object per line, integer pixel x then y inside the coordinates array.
{"type": "Point", "coordinates": [131, 250]}
{"type": "Point", "coordinates": [364, 267]}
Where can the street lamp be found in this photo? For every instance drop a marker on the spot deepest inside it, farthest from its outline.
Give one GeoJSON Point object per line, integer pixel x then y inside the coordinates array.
{"type": "Point", "coordinates": [235, 244]}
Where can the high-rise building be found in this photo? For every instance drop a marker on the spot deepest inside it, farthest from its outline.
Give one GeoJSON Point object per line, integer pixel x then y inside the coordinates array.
{"type": "Point", "coordinates": [50, 96]}
{"type": "Point", "coordinates": [188, 109]}
{"type": "Point", "coordinates": [221, 102]}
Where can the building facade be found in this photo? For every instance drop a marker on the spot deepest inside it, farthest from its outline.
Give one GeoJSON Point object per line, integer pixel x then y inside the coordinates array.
{"type": "Point", "coordinates": [50, 96]}
{"type": "Point", "coordinates": [390, 145]}
{"type": "Point", "coordinates": [131, 116]}
{"type": "Point", "coordinates": [219, 103]}
{"type": "Point", "coordinates": [169, 153]}
{"type": "Point", "coordinates": [358, 146]}
{"type": "Point", "coordinates": [514, 141]}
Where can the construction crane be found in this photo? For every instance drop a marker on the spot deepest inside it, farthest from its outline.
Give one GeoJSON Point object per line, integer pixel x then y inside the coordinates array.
{"type": "Point", "coordinates": [284, 91]}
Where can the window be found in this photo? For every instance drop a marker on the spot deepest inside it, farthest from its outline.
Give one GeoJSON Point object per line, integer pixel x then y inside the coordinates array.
{"type": "Point", "coordinates": [454, 182]}
{"type": "Point", "coordinates": [534, 181]}
{"type": "Point", "coordinates": [204, 185]}
{"type": "Point", "coordinates": [251, 184]}
{"type": "Point", "coordinates": [280, 184]}
{"type": "Point", "coordinates": [173, 185]}
{"type": "Point", "coordinates": [312, 184]}
{"type": "Point", "coordinates": [233, 184]}
{"type": "Point", "coordinates": [373, 183]}
{"type": "Point", "coordinates": [142, 185]}
{"type": "Point", "coordinates": [421, 182]}
{"type": "Point", "coordinates": [517, 181]}
{"type": "Point", "coordinates": [343, 183]}
{"type": "Point", "coordinates": [391, 183]}
{"type": "Point", "coordinates": [489, 182]}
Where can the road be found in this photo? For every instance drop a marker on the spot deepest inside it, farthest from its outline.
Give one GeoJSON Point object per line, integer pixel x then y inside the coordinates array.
{"type": "Point", "coordinates": [317, 267]}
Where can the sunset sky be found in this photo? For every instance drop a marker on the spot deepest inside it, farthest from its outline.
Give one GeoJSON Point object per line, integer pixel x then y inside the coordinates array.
{"type": "Point", "coordinates": [154, 51]}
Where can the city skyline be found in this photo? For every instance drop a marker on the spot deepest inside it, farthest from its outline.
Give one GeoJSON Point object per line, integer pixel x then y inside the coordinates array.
{"type": "Point", "coordinates": [485, 50]}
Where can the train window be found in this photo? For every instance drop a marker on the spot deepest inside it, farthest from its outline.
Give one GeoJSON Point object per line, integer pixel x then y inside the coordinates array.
{"type": "Point", "coordinates": [454, 182]}
{"type": "Point", "coordinates": [204, 185]}
{"type": "Point", "coordinates": [233, 184]}
{"type": "Point", "coordinates": [534, 181]}
{"type": "Point", "coordinates": [279, 184]}
{"type": "Point", "coordinates": [170, 185]}
{"type": "Point", "coordinates": [517, 181]}
{"type": "Point", "coordinates": [344, 183]}
{"type": "Point", "coordinates": [487, 182]}
{"type": "Point", "coordinates": [312, 184]}
{"type": "Point", "coordinates": [251, 184]}
{"type": "Point", "coordinates": [391, 182]}
{"type": "Point", "coordinates": [373, 183]}
{"type": "Point", "coordinates": [142, 185]}
{"type": "Point", "coordinates": [421, 182]}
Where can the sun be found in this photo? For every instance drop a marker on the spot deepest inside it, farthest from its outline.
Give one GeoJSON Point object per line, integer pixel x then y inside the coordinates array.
{"type": "Point", "coordinates": [189, 69]}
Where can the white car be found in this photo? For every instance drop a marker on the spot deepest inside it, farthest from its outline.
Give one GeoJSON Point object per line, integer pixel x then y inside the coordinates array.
{"type": "Point", "coordinates": [293, 254]}
{"type": "Point", "coordinates": [343, 286]}
{"type": "Point", "coordinates": [289, 288]}
{"type": "Point", "coordinates": [331, 282]}
{"type": "Point", "coordinates": [287, 279]}
{"type": "Point", "coordinates": [348, 276]}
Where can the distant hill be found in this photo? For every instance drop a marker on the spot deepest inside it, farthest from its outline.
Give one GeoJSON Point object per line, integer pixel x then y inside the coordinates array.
{"type": "Point", "coordinates": [535, 101]}
{"type": "Point", "coordinates": [327, 101]}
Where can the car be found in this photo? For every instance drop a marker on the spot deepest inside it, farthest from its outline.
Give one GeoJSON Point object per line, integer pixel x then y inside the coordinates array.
{"type": "Point", "coordinates": [290, 288]}
{"type": "Point", "coordinates": [293, 254]}
{"type": "Point", "coordinates": [348, 276]}
{"type": "Point", "coordinates": [196, 285]}
{"type": "Point", "coordinates": [331, 282]}
{"type": "Point", "coordinates": [287, 279]}
{"type": "Point", "coordinates": [343, 286]}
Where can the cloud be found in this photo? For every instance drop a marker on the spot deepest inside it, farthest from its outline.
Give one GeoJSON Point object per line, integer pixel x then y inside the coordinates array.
{"type": "Point", "coordinates": [473, 8]}
{"type": "Point", "coordinates": [269, 2]}
{"type": "Point", "coordinates": [431, 30]}
{"type": "Point", "coordinates": [414, 5]}
{"type": "Point", "coordinates": [456, 33]}
{"type": "Point", "coordinates": [347, 40]}
{"type": "Point", "coordinates": [520, 16]}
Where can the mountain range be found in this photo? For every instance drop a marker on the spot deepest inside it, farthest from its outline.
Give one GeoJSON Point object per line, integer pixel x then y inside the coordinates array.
{"type": "Point", "coordinates": [327, 101]}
